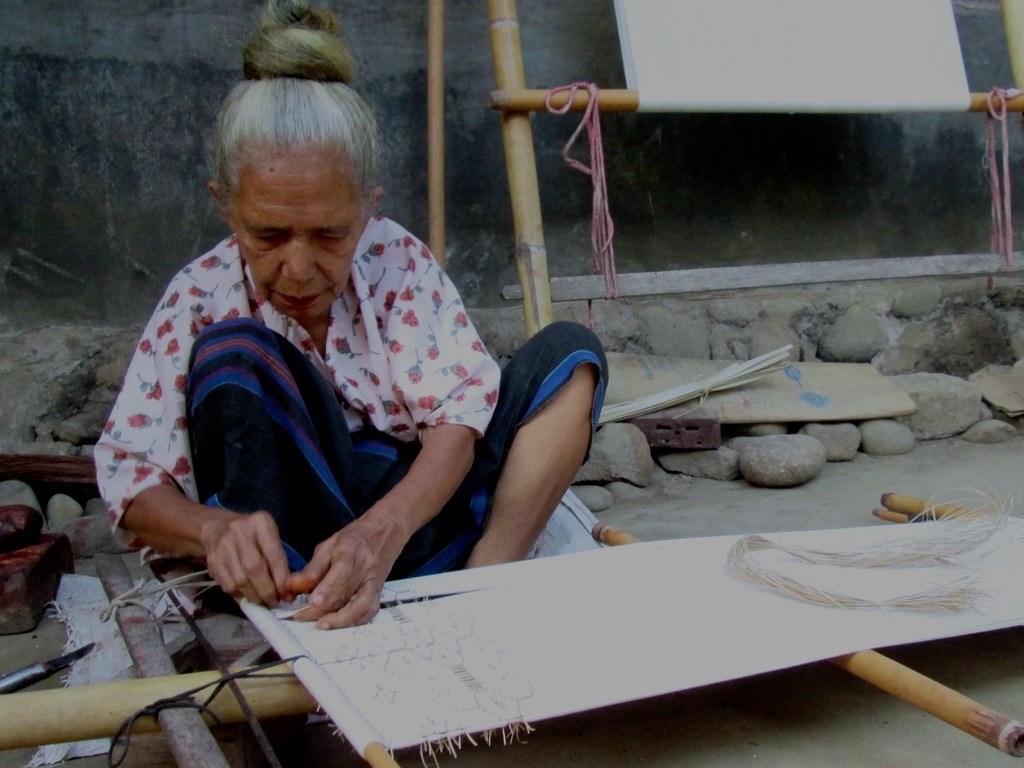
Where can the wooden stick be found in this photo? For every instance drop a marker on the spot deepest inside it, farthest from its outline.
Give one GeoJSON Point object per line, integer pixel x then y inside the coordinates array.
{"type": "Point", "coordinates": [435, 128]}
{"type": "Point", "coordinates": [97, 711]}
{"type": "Point", "coordinates": [377, 755]}
{"type": "Point", "coordinates": [613, 537]}
{"type": "Point", "coordinates": [913, 506]}
{"type": "Point", "coordinates": [904, 683]}
{"type": "Point", "coordinates": [188, 737]}
{"type": "Point", "coordinates": [69, 470]}
{"type": "Point", "coordinates": [627, 100]}
{"type": "Point", "coordinates": [936, 699]}
{"type": "Point", "coordinates": [890, 516]}
{"type": "Point", "coordinates": [521, 166]}
{"type": "Point", "coordinates": [1013, 22]}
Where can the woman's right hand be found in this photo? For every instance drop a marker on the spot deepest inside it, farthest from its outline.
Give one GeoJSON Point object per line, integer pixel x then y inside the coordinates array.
{"type": "Point", "coordinates": [245, 557]}
{"type": "Point", "coordinates": [242, 551]}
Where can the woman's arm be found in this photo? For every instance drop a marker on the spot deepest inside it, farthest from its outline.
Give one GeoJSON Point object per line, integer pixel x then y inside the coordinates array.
{"type": "Point", "coordinates": [348, 570]}
{"type": "Point", "coordinates": [242, 551]}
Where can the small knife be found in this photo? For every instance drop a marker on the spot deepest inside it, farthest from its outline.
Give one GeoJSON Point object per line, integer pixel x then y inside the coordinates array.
{"type": "Point", "coordinates": [25, 677]}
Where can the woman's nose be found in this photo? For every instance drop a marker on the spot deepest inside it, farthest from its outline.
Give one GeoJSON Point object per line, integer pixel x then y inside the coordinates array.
{"type": "Point", "coordinates": [298, 260]}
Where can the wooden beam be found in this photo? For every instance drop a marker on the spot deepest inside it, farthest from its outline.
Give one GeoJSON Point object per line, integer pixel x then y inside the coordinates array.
{"type": "Point", "coordinates": [188, 737]}
{"type": "Point", "coordinates": [96, 711]}
{"type": "Point", "coordinates": [586, 287]}
{"type": "Point", "coordinates": [521, 166]}
{"type": "Point", "coordinates": [510, 100]}
{"type": "Point", "coordinates": [1013, 22]}
{"type": "Point", "coordinates": [435, 129]}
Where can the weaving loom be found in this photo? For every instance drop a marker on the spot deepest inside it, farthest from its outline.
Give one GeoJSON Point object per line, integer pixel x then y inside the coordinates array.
{"type": "Point", "coordinates": [509, 646]}
{"type": "Point", "coordinates": [745, 56]}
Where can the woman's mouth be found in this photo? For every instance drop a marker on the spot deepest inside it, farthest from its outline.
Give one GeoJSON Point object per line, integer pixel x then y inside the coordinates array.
{"type": "Point", "coordinates": [299, 302]}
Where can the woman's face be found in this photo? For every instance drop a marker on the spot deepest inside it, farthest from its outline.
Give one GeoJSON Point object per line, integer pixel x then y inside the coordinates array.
{"type": "Point", "coordinates": [298, 218]}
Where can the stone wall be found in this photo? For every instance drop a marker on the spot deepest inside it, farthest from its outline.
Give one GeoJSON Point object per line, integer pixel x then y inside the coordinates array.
{"type": "Point", "coordinates": [107, 108]}
{"type": "Point", "coordinates": [57, 384]}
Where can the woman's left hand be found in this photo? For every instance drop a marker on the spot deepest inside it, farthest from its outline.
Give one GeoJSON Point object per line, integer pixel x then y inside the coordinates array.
{"type": "Point", "coordinates": [347, 571]}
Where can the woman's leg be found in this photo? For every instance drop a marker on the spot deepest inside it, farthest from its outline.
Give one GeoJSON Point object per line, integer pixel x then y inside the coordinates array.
{"type": "Point", "coordinates": [551, 394]}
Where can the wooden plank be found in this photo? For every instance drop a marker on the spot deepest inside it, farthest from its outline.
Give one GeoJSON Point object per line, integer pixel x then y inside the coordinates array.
{"type": "Point", "coordinates": [188, 738]}
{"type": "Point", "coordinates": [67, 470]}
{"type": "Point", "coordinates": [584, 287]}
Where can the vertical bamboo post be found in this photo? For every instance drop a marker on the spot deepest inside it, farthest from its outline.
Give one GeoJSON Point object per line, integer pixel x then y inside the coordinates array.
{"type": "Point", "coordinates": [521, 165]}
{"type": "Point", "coordinates": [435, 129]}
{"type": "Point", "coordinates": [1013, 21]}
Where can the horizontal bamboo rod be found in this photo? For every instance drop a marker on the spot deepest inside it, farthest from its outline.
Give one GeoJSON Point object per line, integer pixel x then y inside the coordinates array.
{"type": "Point", "coordinates": [936, 699]}
{"type": "Point", "coordinates": [97, 711]}
{"type": "Point", "coordinates": [623, 100]}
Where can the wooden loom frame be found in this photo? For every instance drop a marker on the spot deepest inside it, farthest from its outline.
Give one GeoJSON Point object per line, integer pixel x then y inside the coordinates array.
{"type": "Point", "coordinates": [514, 102]}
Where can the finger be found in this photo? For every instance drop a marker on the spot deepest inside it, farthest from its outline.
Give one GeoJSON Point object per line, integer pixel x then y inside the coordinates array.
{"type": "Point", "coordinates": [275, 561]}
{"type": "Point", "coordinates": [363, 606]}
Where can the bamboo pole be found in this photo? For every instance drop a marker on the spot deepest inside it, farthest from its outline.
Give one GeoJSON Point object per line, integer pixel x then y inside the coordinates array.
{"type": "Point", "coordinates": [521, 166]}
{"type": "Point", "coordinates": [1013, 22]}
{"type": "Point", "coordinates": [912, 506]}
{"type": "Point", "coordinates": [97, 711]}
{"type": "Point", "coordinates": [435, 129]}
{"type": "Point", "coordinates": [936, 699]}
{"type": "Point", "coordinates": [976, 719]}
{"type": "Point", "coordinates": [622, 100]}
{"type": "Point", "coordinates": [189, 740]}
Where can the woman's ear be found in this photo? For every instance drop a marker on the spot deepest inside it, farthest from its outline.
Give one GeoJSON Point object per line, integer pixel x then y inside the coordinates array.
{"type": "Point", "coordinates": [376, 197]}
{"type": "Point", "coordinates": [220, 196]}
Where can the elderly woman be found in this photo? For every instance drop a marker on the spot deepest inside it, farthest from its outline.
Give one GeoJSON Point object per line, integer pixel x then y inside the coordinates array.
{"type": "Point", "coordinates": [309, 408]}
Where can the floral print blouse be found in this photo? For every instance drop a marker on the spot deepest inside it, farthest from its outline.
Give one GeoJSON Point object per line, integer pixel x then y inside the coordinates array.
{"type": "Point", "coordinates": [418, 362]}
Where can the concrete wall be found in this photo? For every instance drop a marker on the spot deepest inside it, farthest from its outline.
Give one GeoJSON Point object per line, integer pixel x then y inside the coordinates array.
{"type": "Point", "coordinates": [106, 107]}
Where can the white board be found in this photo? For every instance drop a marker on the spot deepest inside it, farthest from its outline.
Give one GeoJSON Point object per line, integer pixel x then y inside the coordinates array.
{"type": "Point", "coordinates": [792, 55]}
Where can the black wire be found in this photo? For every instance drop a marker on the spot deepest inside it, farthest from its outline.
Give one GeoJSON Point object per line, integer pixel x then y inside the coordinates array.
{"type": "Point", "coordinates": [122, 739]}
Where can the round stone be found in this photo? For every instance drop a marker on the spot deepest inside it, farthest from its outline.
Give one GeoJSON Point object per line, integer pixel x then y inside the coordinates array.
{"type": "Point", "coordinates": [885, 437]}
{"type": "Point", "coordinates": [782, 461]}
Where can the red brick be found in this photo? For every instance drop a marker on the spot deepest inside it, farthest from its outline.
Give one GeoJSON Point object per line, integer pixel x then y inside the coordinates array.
{"type": "Point", "coordinates": [28, 581]}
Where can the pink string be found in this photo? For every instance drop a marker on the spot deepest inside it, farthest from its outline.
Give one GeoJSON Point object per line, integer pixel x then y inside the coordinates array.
{"type": "Point", "coordinates": [999, 174]}
{"type": "Point", "coordinates": [601, 227]}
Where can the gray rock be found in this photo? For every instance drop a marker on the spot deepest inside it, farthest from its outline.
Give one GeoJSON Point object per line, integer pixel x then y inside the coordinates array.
{"type": "Point", "coordinates": [946, 405]}
{"type": "Point", "coordinates": [91, 535]}
{"type": "Point", "coordinates": [720, 464]}
{"type": "Point", "coordinates": [619, 452]}
{"type": "Point", "coordinates": [96, 507]}
{"type": "Point", "coordinates": [626, 491]}
{"type": "Point", "coordinates": [885, 437]}
{"type": "Point", "coordinates": [42, 448]}
{"type": "Point", "coordinates": [841, 441]}
{"type": "Point", "coordinates": [759, 430]}
{"type": "Point", "coordinates": [856, 336]}
{"type": "Point", "coordinates": [596, 498]}
{"type": "Point", "coordinates": [60, 510]}
{"type": "Point", "coordinates": [17, 492]}
{"type": "Point", "coordinates": [990, 431]}
{"type": "Point", "coordinates": [674, 332]}
{"type": "Point", "coordinates": [781, 461]}
{"type": "Point", "coordinates": [916, 301]}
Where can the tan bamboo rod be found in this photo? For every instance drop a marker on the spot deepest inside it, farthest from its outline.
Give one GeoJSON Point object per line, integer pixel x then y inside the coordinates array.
{"type": "Point", "coordinates": [936, 699]}
{"type": "Point", "coordinates": [97, 711]}
{"type": "Point", "coordinates": [1013, 22]}
{"type": "Point", "coordinates": [521, 166]}
{"type": "Point", "coordinates": [435, 129]}
{"type": "Point", "coordinates": [976, 719]}
{"type": "Point", "coordinates": [619, 100]}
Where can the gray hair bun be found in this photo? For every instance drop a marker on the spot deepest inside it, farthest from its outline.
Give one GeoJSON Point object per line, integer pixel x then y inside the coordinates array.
{"type": "Point", "coordinates": [298, 41]}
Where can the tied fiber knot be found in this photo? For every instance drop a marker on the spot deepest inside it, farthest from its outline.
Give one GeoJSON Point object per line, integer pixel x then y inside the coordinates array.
{"type": "Point", "coordinates": [601, 227]}
{"type": "Point", "coordinates": [999, 173]}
